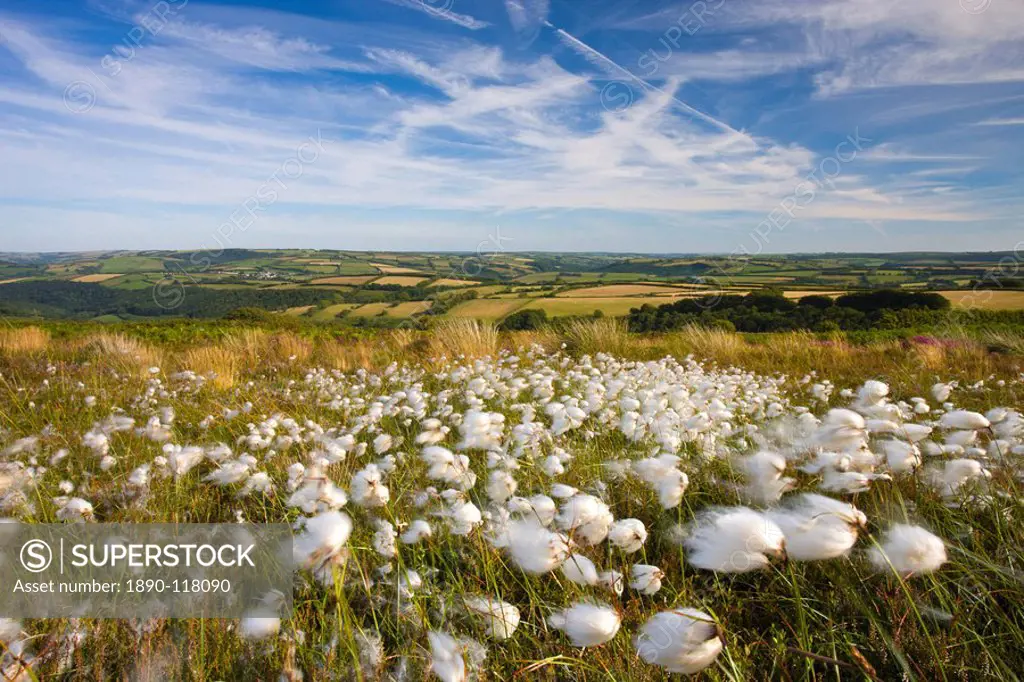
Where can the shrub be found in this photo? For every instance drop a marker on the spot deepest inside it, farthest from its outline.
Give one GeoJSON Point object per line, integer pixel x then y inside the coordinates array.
{"type": "Point", "coordinates": [817, 301]}
{"type": "Point", "coordinates": [524, 320]}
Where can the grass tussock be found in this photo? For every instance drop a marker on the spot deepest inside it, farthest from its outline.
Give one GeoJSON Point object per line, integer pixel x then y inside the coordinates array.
{"type": "Point", "coordinates": [249, 343]}
{"type": "Point", "coordinates": [605, 335]}
{"type": "Point", "coordinates": [126, 353]}
{"type": "Point", "coordinates": [460, 337]}
{"type": "Point", "coordinates": [715, 343]}
{"type": "Point", "coordinates": [219, 364]}
{"type": "Point", "coordinates": [1005, 342]}
{"type": "Point", "coordinates": [285, 348]}
{"type": "Point", "coordinates": [547, 339]}
{"type": "Point", "coordinates": [345, 356]}
{"type": "Point", "coordinates": [23, 340]}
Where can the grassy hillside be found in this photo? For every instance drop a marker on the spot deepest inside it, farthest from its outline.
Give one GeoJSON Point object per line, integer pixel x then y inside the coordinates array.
{"type": "Point", "coordinates": [282, 401]}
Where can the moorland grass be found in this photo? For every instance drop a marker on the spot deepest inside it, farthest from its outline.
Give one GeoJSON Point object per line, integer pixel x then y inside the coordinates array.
{"type": "Point", "coordinates": [799, 621]}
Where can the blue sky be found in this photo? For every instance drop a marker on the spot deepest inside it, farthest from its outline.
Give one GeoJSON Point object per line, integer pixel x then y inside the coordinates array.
{"type": "Point", "coordinates": [634, 125]}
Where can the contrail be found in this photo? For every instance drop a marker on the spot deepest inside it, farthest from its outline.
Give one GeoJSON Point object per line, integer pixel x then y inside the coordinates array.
{"type": "Point", "coordinates": [444, 13]}
{"type": "Point", "coordinates": [598, 59]}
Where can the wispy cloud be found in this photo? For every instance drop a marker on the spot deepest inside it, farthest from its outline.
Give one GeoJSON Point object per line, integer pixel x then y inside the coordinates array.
{"type": "Point", "coordinates": [890, 153]}
{"type": "Point", "coordinates": [1001, 122]}
{"type": "Point", "coordinates": [615, 70]}
{"type": "Point", "coordinates": [527, 16]}
{"type": "Point", "coordinates": [442, 9]}
{"type": "Point", "coordinates": [454, 128]}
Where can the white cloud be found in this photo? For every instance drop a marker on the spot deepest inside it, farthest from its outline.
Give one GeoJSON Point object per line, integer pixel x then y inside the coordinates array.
{"type": "Point", "coordinates": [442, 10]}
{"type": "Point", "coordinates": [880, 43]}
{"type": "Point", "coordinates": [887, 152]}
{"type": "Point", "coordinates": [258, 47]}
{"type": "Point", "coordinates": [1001, 122]}
{"type": "Point", "coordinates": [203, 115]}
{"type": "Point", "coordinates": [527, 16]}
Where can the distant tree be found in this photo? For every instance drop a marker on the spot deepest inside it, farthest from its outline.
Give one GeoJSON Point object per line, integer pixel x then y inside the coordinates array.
{"type": "Point", "coordinates": [816, 301]}
{"type": "Point", "coordinates": [892, 299]}
{"type": "Point", "coordinates": [524, 320]}
{"type": "Point", "coordinates": [250, 314]}
{"type": "Point", "coordinates": [768, 300]}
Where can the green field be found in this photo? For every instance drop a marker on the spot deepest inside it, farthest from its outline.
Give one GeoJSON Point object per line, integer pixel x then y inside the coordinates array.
{"type": "Point", "coordinates": [347, 287]}
{"type": "Point", "coordinates": [125, 264]}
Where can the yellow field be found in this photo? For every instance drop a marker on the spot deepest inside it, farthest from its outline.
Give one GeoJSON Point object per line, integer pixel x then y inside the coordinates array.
{"type": "Point", "coordinates": [332, 311]}
{"type": "Point", "coordinates": [298, 310]}
{"type": "Point", "coordinates": [401, 310]}
{"type": "Point", "coordinates": [368, 310]}
{"type": "Point", "coordinates": [393, 269]}
{"type": "Point", "coordinates": [487, 308]}
{"type": "Point", "coordinates": [445, 282]}
{"type": "Point", "coordinates": [524, 294]}
{"type": "Point", "coordinates": [617, 290]}
{"type": "Point", "coordinates": [12, 281]}
{"type": "Point", "coordinates": [801, 294]}
{"type": "Point", "coordinates": [97, 277]}
{"type": "Point", "coordinates": [344, 279]}
{"type": "Point", "coordinates": [408, 308]}
{"type": "Point", "coordinates": [404, 281]}
{"type": "Point", "coordinates": [489, 289]}
{"type": "Point", "coordinates": [585, 306]}
{"type": "Point", "coordinates": [986, 300]}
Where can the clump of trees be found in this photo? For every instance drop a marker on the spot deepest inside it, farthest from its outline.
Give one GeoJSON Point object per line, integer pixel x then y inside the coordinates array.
{"type": "Point", "coordinates": [524, 320]}
{"type": "Point", "coordinates": [82, 300]}
{"type": "Point", "coordinates": [769, 310]}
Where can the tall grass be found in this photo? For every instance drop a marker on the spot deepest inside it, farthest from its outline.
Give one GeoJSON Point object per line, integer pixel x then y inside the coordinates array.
{"type": "Point", "coordinates": [1005, 341]}
{"type": "Point", "coordinates": [23, 340]}
{"type": "Point", "coordinates": [345, 355]}
{"type": "Point", "coordinates": [221, 365]}
{"type": "Point", "coordinates": [248, 343]}
{"type": "Point", "coordinates": [124, 353]}
{"type": "Point", "coordinates": [286, 347]}
{"type": "Point", "coordinates": [461, 337]}
{"type": "Point", "coordinates": [604, 335]}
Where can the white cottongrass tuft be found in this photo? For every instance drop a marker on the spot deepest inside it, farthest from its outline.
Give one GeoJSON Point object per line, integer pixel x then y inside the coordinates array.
{"type": "Point", "coordinates": [764, 473]}
{"type": "Point", "coordinates": [539, 507]}
{"type": "Point", "coordinates": [501, 486]}
{"type": "Point", "coordinates": [446, 659]}
{"type": "Point", "coordinates": [964, 420]}
{"type": "Point", "coordinates": [322, 538]}
{"type": "Point", "coordinates": [646, 579]}
{"type": "Point", "coordinates": [76, 510]}
{"type": "Point", "coordinates": [586, 518]}
{"type": "Point", "coordinates": [909, 550]}
{"type": "Point", "coordinates": [733, 540]}
{"type": "Point", "coordinates": [580, 570]}
{"type": "Point", "coordinates": [955, 474]}
{"type": "Point", "coordinates": [587, 624]}
{"type": "Point", "coordinates": [257, 628]}
{"type": "Point", "coordinates": [500, 618]}
{"type": "Point", "coordinates": [629, 535]}
{"type": "Point", "coordinates": [417, 531]}
{"type": "Point", "coordinates": [683, 641]}
{"type": "Point", "coordinates": [818, 527]}
{"type": "Point", "coordinates": [368, 489]}
{"type": "Point", "coordinates": [535, 549]}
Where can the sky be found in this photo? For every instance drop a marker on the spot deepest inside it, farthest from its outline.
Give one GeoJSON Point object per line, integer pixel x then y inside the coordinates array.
{"type": "Point", "coordinates": [714, 126]}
